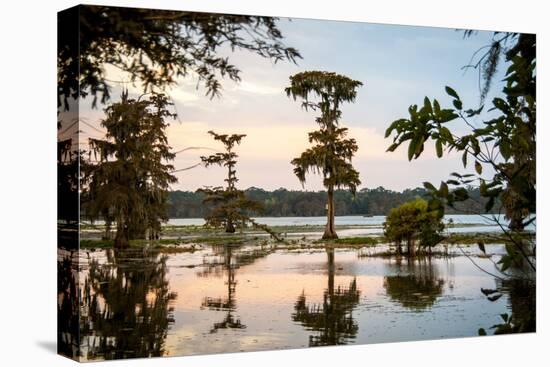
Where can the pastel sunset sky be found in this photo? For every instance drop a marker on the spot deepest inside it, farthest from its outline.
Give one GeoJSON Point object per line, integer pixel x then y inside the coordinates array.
{"type": "Point", "coordinates": [398, 66]}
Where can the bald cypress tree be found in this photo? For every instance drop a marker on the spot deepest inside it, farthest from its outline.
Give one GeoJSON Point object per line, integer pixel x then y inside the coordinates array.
{"type": "Point", "coordinates": [229, 205]}
{"type": "Point", "coordinates": [131, 179]}
{"type": "Point", "coordinates": [332, 151]}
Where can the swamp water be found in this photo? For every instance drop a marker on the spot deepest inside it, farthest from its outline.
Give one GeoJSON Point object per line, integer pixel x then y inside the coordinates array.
{"type": "Point", "coordinates": [142, 303]}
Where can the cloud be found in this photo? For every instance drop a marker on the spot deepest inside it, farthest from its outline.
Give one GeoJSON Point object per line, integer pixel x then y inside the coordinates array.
{"type": "Point", "coordinates": [256, 88]}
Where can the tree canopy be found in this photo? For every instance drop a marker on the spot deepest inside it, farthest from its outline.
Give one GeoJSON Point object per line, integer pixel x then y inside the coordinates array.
{"type": "Point", "coordinates": [156, 47]}
{"type": "Point", "coordinates": [414, 223]}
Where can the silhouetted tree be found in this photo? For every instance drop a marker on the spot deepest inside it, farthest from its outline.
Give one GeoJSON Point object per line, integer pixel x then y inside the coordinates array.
{"type": "Point", "coordinates": [131, 180]}
{"type": "Point", "coordinates": [156, 47]}
{"type": "Point", "coordinates": [332, 153]}
{"type": "Point", "coordinates": [230, 206]}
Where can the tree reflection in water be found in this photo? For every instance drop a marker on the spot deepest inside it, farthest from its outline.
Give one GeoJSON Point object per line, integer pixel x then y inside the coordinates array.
{"type": "Point", "coordinates": [417, 289]}
{"type": "Point", "coordinates": [227, 259]}
{"type": "Point", "coordinates": [126, 306]}
{"type": "Point", "coordinates": [522, 304]}
{"type": "Point", "coordinates": [332, 321]}
{"type": "Point", "coordinates": [67, 304]}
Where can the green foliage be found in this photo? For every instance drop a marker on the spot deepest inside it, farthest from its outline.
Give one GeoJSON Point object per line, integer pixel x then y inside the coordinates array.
{"type": "Point", "coordinates": [506, 143]}
{"type": "Point", "coordinates": [294, 203]}
{"type": "Point", "coordinates": [228, 206]}
{"type": "Point", "coordinates": [332, 153]}
{"type": "Point", "coordinates": [130, 182]}
{"type": "Point", "coordinates": [157, 46]}
{"type": "Point", "coordinates": [371, 241]}
{"type": "Point", "coordinates": [414, 222]}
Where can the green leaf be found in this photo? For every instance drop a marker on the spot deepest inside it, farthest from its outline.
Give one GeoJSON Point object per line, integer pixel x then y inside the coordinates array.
{"type": "Point", "coordinates": [427, 105]}
{"type": "Point", "coordinates": [481, 332]}
{"type": "Point", "coordinates": [429, 186]}
{"type": "Point", "coordinates": [393, 126]}
{"type": "Point", "coordinates": [412, 149]}
{"type": "Point", "coordinates": [481, 246]}
{"type": "Point", "coordinates": [444, 189]}
{"type": "Point", "coordinates": [461, 194]}
{"type": "Point", "coordinates": [439, 148]}
{"type": "Point", "coordinates": [458, 104]}
{"type": "Point", "coordinates": [450, 91]}
{"type": "Point", "coordinates": [500, 104]}
{"type": "Point", "coordinates": [505, 263]}
{"type": "Point", "coordinates": [465, 158]}
{"type": "Point", "coordinates": [392, 147]}
{"type": "Point", "coordinates": [505, 149]}
{"type": "Point", "coordinates": [437, 108]}
{"type": "Point", "coordinates": [488, 292]}
{"type": "Point", "coordinates": [478, 167]}
{"type": "Point", "coordinates": [446, 133]}
{"type": "Point", "coordinates": [447, 115]}
{"type": "Point", "coordinates": [490, 204]}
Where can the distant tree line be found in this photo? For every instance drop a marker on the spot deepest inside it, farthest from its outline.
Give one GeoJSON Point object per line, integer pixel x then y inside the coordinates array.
{"type": "Point", "coordinates": [288, 203]}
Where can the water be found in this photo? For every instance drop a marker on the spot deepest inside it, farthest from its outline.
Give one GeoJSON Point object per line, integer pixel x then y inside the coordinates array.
{"type": "Point", "coordinates": [139, 303]}
{"type": "Point", "coordinates": [368, 225]}
{"type": "Point", "coordinates": [353, 220]}
{"type": "Point", "coordinates": [361, 226]}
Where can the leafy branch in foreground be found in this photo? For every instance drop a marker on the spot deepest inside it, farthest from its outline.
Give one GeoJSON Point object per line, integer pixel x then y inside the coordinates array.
{"type": "Point", "coordinates": [504, 145]}
{"type": "Point", "coordinates": [155, 47]}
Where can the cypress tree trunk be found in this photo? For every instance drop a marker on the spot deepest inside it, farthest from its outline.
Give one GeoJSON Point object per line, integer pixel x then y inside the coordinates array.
{"type": "Point", "coordinates": [411, 247]}
{"type": "Point", "coordinates": [121, 238]}
{"type": "Point", "coordinates": [107, 234]}
{"type": "Point", "coordinates": [229, 227]}
{"type": "Point", "coordinates": [399, 251]}
{"type": "Point", "coordinates": [330, 232]}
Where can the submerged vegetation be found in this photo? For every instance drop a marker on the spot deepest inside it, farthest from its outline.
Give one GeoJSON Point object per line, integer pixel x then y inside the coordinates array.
{"type": "Point", "coordinates": [416, 225]}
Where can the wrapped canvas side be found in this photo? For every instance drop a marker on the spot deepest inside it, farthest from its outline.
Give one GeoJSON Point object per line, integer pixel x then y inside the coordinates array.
{"type": "Point", "coordinates": [68, 159]}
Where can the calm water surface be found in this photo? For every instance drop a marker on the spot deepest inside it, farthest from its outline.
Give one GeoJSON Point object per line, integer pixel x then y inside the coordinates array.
{"type": "Point", "coordinates": [368, 225]}
{"type": "Point", "coordinates": [138, 303]}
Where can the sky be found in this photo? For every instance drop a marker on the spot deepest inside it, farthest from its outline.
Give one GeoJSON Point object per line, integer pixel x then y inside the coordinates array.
{"type": "Point", "coordinates": [398, 66]}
